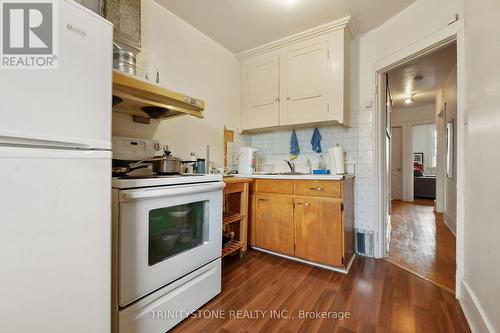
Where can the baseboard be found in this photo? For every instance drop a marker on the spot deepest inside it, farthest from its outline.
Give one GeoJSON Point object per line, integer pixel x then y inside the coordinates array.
{"type": "Point", "coordinates": [473, 311]}
{"type": "Point", "coordinates": [450, 223]}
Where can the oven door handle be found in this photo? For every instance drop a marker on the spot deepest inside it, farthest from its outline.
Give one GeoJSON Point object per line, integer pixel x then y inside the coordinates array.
{"type": "Point", "coordinates": [169, 191]}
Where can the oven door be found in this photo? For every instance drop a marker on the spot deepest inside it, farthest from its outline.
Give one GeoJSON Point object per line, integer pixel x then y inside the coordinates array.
{"type": "Point", "coordinates": [165, 233]}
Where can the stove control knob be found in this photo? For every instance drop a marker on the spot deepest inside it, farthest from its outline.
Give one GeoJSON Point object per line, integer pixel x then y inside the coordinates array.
{"type": "Point", "coordinates": [157, 146]}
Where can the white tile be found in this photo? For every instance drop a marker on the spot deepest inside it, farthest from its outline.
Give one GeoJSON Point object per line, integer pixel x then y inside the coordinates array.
{"type": "Point", "coordinates": [365, 157]}
{"type": "Point", "coordinates": [365, 117]}
{"type": "Point", "coordinates": [364, 170]}
{"type": "Point", "coordinates": [365, 143]}
{"type": "Point", "coordinates": [365, 129]}
{"type": "Point", "coordinates": [350, 144]}
{"type": "Point", "coordinates": [351, 132]}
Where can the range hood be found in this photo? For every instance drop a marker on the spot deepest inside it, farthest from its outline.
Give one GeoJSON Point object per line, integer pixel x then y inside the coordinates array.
{"type": "Point", "coordinates": [135, 96]}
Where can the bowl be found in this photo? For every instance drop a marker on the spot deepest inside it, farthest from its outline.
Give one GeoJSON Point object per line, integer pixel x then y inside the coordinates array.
{"type": "Point", "coordinates": [186, 234]}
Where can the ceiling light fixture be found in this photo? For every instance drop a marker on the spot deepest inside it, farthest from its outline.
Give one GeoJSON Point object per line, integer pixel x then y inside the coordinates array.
{"type": "Point", "coordinates": [410, 99]}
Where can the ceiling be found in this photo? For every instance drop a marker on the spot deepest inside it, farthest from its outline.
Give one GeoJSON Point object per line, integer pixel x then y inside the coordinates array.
{"type": "Point", "coordinates": [240, 25]}
{"type": "Point", "coordinates": [423, 77]}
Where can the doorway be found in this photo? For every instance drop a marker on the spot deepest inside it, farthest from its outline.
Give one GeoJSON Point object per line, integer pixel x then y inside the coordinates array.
{"type": "Point", "coordinates": [421, 108]}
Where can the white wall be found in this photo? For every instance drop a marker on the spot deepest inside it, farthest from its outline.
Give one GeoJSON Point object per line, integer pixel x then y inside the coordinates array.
{"type": "Point", "coordinates": [423, 142]}
{"type": "Point", "coordinates": [482, 222]}
{"type": "Point", "coordinates": [411, 114]}
{"type": "Point", "coordinates": [191, 63]}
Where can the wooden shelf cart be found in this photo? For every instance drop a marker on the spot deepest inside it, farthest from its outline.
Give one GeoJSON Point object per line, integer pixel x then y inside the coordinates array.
{"type": "Point", "coordinates": [235, 216]}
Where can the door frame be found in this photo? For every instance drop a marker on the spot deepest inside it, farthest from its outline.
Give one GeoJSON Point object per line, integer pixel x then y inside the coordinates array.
{"type": "Point", "coordinates": [403, 189]}
{"type": "Point", "coordinates": [407, 151]}
{"type": "Point", "coordinates": [453, 32]}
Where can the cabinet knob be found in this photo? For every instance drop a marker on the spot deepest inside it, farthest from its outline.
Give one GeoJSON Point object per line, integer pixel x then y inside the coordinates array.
{"type": "Point", "coordinates": [288, 98]}
{"type": "Point", "coordinates": [303, 203]}
{"type": "Point", "coordinates": [277, 99]}
{"type": "Point", "coordinates": [262, 199]}
{"type": "Point", "coordinates": [316, 188]}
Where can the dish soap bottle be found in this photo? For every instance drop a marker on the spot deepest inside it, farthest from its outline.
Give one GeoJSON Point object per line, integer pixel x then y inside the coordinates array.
{"type": "Point", "coordinates": [321, 163]}
{"type": "Point", "coordinates": [308, 166]}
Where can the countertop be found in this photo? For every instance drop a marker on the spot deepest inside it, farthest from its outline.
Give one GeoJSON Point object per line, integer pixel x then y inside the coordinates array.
{"type": "Point", "coordinates": [301, 177]}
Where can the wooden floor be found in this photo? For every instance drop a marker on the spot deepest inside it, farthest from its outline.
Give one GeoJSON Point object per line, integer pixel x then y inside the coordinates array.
{"type": "Point", "coordinates": [378, 296]}
{"type": "Point", "coordinates": [421, 242]}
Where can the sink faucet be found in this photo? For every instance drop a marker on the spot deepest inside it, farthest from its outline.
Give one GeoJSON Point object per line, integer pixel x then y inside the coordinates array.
{"type": "Point", "coordinates": [291, 165]}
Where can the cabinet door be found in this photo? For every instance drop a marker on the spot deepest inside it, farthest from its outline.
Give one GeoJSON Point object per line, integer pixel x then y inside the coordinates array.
{"type": "Point", "coordinates": [318, 230]}
{"type": "Point", "coordinates": [274, 217]}
{"type": "Point", "coordinates": [260, 93]}
{"type": "Point", "coordinates": [305, 83]}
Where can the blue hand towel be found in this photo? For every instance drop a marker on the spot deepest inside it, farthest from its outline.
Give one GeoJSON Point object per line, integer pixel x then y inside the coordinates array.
{"type": "Point", "coordinates": [294, 146]}
{"type": "Point", "coordinates": [316, 141]}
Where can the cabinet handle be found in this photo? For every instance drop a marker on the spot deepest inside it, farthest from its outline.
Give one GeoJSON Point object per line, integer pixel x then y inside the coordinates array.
{"type": "Point", "coordinates": [277, 99]}
{"type": "Point", "coordinates": [303, 203]}
{"type": "Point", "coordinates": [316, 188]}
{"type": "Point", "coordinates": [288, 98]}
{"type": "Point", "coordinates": [263, 199]}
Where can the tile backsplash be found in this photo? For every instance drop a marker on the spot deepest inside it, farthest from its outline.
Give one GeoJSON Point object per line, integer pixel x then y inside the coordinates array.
{"type": "Point", "coordinates": [274, 147]}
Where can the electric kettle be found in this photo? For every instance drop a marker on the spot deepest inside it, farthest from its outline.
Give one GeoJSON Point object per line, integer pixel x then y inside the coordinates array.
{"type": "Point", "coordinates": [247, 161]}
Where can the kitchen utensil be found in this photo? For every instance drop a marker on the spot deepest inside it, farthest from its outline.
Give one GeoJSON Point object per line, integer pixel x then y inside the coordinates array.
{"type": "Point", "coordinates": [166, 165]}
{"type": "Point", "coordinates": [186, 234]}
{"type": "Point", "coordinates": [167, 241]}
{"type": "Point", "coordinates": [180, 211]}
{"type": "Point", "coordinates": [200, 166]}
{"type": "Point", "coordinates": [122, 171]}
{"type": "Point", "coordinates": [124, 61]}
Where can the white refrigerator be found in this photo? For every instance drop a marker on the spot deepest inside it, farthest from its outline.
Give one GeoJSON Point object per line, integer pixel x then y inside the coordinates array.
{"type": "Point", "coordinates": [55, 184]}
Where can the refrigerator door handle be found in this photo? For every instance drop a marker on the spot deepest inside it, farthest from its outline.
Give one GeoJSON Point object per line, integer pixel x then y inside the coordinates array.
{"type": "Point", "coordinates": [32, 142]}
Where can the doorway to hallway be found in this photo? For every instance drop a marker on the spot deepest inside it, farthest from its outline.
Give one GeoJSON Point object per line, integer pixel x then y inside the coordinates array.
{"type": "Point", "coordinates": [421, 107]}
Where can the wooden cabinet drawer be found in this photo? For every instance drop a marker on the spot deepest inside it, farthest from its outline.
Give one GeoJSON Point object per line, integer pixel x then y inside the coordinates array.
{"type": "Point", "coordinates": [274, 186]}
{"type": "Point", "coordinates": [319, 188]}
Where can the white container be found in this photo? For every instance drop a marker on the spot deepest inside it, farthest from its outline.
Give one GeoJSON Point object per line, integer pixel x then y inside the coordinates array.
{"type": "Point", "coordinates": [247, 161]}
{"type": "Point", "coordinates": [336, 156]}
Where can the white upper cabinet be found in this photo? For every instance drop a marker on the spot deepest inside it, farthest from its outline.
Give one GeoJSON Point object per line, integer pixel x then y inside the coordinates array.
{"type": "Point", "coordinates": [260, 92]}
{"type": "Point", "coordinates": [302, 79]}
{"type": "Point", "coordinates": [305, 84]}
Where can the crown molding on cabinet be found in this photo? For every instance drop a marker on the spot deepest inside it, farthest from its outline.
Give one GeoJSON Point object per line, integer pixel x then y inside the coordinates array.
{"type": "Point", "coordinates": [342, 23]}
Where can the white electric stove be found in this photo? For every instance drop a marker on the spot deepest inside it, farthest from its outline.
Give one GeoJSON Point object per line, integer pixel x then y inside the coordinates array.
{"type": "Point", "coordinates": [167, 243]}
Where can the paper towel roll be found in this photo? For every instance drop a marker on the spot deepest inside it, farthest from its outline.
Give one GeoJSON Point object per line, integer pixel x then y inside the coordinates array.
{"type": "Point", "coordinates": [339, 160]}
{"type": "Point", "coordinates": [333, 165]}
{"type": "Point", "coordinates": [336, 155]}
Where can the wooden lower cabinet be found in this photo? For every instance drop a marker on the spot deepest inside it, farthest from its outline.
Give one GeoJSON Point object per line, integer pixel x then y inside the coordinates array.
{"type": "Point", "coordinates": [315, 222]}
{"type": "Point", "coordinates": [274, 223]}
{"type": "Point", "coordinates": [318, 230]}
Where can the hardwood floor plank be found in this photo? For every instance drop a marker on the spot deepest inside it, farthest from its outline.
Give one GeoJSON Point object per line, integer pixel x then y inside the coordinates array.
{"type": "Point", "coordinates": [379, 296]}
{"type": "Point", "coordinates": [422, 243]}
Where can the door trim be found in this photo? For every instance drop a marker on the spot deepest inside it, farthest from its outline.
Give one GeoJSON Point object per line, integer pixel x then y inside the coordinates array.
{"type": "Point", "coordinates": [453, 32]}
{"type": "Point", "coordinates": [315, 264]}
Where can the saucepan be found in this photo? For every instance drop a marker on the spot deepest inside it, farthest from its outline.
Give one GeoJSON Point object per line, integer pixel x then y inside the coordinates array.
{"type": "Point", "coordinates": [164, 165]}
